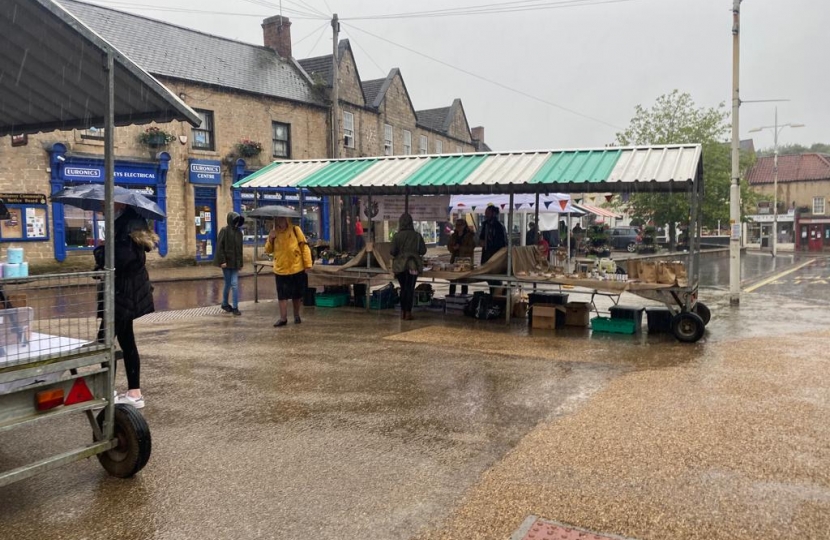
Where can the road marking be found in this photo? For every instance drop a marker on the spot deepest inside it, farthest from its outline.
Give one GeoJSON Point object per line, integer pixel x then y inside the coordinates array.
{"type": "Point", "coordinates": [778, 276]}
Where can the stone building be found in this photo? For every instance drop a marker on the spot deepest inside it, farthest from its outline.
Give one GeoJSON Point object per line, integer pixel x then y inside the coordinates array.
{"type": "Point", "coordinates": [245, 94]}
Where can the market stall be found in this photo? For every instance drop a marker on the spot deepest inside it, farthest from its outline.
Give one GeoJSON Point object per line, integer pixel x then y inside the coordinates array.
{"type": "Point", "coordinates": [663, 169]}
{"type": "Point", "coordinates": [52, 360]}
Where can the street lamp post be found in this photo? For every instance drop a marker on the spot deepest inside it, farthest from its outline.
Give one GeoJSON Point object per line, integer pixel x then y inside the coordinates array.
{"type": "Point", "coordinates": [776, 131]}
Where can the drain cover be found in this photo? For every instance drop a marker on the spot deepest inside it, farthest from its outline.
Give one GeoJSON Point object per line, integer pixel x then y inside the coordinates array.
{"type": "Point", "coordinates": [536, 528]}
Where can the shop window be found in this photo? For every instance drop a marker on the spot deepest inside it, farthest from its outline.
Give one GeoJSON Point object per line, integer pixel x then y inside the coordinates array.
{"type": "Point", "coordinates": [92, 134]}
{"type": "Point", "coordinates": [407, 142]}
{"type": "Point", "coordinates": [423, 145]}
{"type": "Point", "coordinates": [439, 147]}
{"type": "Point", "coordinates": [387, 140]}
{"type": "Point", "coordinates": [818, 205]}
{"type": "Point", "coordinates": [25, 222]}
{"type": "Point", "coordinates": [348, 129]}
{"type": "Point", "coordinates": [827, 233]}
{"type": "Point", "coordinates": [84, 229]}
{"type": "Point", "coordinates": [203, 136]}
{"type": "Point", "coordinates": [281, 135]}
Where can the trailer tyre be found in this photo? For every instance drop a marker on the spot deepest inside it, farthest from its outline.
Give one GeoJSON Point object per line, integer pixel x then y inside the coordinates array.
{"type": "Point", "coordinates": [134, 443]}
{"type": "Point", "coordinates": [687, 327]}
{"type": "Point", "coordinates": [703, 311]}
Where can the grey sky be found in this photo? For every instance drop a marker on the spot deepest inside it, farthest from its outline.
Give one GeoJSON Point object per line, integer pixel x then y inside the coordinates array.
{"type": "Point", "coordinates": [599, 60]}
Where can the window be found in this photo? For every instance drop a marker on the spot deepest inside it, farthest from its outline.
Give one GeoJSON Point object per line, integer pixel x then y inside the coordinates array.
{"type": "Point", "coordinates": [423, 144]}
{"type": "Point", "coordinates": [458, 149]}
{"type": "Point", "coordinates": [84, 229]}
{"type": "Point", "coordinates": [439, 147]}
{"type": "Point", "coordinates": [203, 135]}
{"type": "Point", "coordinates": [818, 205]}
{"type": "Point", "coordinates": [93, 134]}
{"type": "Point", "coordinates": [281, 135]}
{"type": "Point", "coordinates": [387, 140]}
{"type": "Point", "coordinates": [407, 142]}
{"type": "Point", "coordinates": [348, 129]}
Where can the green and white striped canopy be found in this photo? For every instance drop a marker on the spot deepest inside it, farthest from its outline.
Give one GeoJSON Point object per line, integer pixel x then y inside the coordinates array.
{"type": "Point", "coordinates": [646, 168]}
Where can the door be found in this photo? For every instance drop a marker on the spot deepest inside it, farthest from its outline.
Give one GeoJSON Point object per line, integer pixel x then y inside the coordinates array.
{"type": "Point", "coordinates": [205, 226]}
{"type": "Point", "coordinates": [815, 242]}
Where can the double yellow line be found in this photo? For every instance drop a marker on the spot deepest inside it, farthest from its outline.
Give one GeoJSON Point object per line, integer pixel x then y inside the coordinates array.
{"type": "Point", "coordinates": [778, 276]}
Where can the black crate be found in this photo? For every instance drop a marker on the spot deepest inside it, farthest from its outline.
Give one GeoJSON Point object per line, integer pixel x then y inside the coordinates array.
{"type": "Point", "coordinates": [659, 320]}
{"type": "Point", "coordinates": [630, 313]}
{"type": "Point", "coordinates": [310, 297]}
{"type": "Point", "coordinates": [548, 298]}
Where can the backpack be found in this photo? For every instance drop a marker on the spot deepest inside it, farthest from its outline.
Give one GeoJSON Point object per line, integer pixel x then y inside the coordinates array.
{"type": "Point", "coordinates": [482, 307]}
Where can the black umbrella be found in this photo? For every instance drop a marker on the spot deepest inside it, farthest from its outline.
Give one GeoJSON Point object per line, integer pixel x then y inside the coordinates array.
{"type": "Point", "coordinates": [272, 211]}
{"type": "Point", "coordinates": [91, 197]}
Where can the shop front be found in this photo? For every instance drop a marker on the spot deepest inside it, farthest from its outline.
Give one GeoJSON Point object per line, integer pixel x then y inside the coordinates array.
{"type": "Point", "coordinates": [206, 176]}
{"type": "Point", "coordinates": [759, 231]}
{"type": "Point", "coordinates": [813, 233]}
{"type": "Point", "coordinates": [79, 230]}
{"type": "Point", "coordinates": [316, 215]}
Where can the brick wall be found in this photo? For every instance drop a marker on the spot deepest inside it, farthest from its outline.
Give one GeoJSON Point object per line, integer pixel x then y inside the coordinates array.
{"type": "Point", "coordinates": [800, 192]}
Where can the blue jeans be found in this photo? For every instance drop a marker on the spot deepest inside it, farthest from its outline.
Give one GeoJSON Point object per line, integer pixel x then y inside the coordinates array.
{"type": "Point", "coordinates": [231, 282]}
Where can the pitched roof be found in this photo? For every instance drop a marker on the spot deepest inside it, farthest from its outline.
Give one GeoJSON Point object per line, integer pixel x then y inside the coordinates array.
{"type": "Point", "coordinates": [371, 90]}
{"type": "Point", "coordinates": [435, 119]}
{"type": "Point", "coordinates": [321, 66]}
{"type": "Point", "coordinates": [791, 168]}
{"type": "Point", "coordinates": [171, 51]}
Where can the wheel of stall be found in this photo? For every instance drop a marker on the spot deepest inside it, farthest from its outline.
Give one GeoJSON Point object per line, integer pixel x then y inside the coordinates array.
{"type": "Point", "coordinates": [704, 312]}
{"type": "Point", "coordinates": [631, 247]}
{"type": "Point", "coordinates": [132, 452]}
{"type": "Point", "coordinates": [687, 327]}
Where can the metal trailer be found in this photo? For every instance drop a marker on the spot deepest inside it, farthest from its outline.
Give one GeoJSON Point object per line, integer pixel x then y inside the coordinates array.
{"type": "Point", "coordinates": [53, 361]}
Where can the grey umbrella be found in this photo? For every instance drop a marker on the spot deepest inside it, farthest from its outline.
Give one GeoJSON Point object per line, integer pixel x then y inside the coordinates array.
{"type": "Point", "coordinates": [272, 211]}
{"type": "Point", "coordinates": [91, 197]}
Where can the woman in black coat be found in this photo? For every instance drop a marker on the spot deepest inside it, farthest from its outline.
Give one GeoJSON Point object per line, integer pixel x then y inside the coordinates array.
{"type": "Point", "coordinates": [133, 292]}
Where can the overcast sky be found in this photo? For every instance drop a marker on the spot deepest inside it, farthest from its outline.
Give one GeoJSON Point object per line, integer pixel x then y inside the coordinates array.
{"type": "Point", "coordinates": [598, 60]}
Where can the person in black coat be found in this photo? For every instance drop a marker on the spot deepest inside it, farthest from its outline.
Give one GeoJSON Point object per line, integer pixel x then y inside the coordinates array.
{"type": "Point", "coordinates": [133, 291]}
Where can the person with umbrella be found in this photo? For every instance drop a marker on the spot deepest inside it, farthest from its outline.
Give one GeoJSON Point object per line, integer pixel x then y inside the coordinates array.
{"type": "Point", "coordinates": [292, 259]}
{"type": "Point", "coordinates": [132, 239]}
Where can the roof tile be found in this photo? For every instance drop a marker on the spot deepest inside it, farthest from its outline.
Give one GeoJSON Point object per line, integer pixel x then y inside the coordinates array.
{"type": "Point", "coordinates": [791, 168]}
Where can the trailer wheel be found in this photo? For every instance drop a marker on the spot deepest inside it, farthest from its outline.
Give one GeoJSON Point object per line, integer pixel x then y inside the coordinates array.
{"type": "Point", "coordinates": [703, 311]}
{"type": "Point", "coordinates": [134, 443]}
{"type": "Point", "coordinates": [687, 327]}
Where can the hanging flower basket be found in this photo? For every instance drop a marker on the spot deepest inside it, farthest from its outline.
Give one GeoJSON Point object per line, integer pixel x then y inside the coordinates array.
{"type": "Point", "coordinates": [248, 148]}
{"type": "Point", "coordinates": [154, 137]}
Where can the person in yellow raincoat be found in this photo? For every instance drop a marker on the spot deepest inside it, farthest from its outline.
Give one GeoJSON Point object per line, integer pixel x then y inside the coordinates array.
{"type": "Point", "coordinates": [292, 258]}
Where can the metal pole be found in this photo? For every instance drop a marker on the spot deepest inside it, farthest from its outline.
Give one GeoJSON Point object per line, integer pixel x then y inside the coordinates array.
{"type": "Point", "coordinates": [406, 202]}
{"type": "Point", "coordinates": [337, 224]}
{"type": "Point", "coordinates": [509, 299]}
{"type": "Point", "coordinates": [568, 228]}
{"type": "Point", "coordinates": [775, 188]}
{"type": "Point", "coordinates": [109, 239]}
{"type": "Point", "coordinates": [735, 188]}
{"type": "Point", "coordinates": [536, 218]}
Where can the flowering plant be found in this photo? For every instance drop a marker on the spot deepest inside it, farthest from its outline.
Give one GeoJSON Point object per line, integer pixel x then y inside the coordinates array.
{"type": "Point", "coordinates": [248, 148]}
{"type": "Point", "coordinates": [153, 136]}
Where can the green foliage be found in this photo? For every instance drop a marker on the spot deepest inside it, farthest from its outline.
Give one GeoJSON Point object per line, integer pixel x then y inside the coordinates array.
{"type": "Point", "coordinates": [676, 119]}
{"type": "Point", "coordinates": [786, 149]}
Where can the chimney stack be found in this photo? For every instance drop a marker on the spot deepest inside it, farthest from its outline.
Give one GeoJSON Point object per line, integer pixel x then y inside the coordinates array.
{"type": "Point", "coordinates": [276, 34]}
{"type": "Point", "coordinates": [477, 133]}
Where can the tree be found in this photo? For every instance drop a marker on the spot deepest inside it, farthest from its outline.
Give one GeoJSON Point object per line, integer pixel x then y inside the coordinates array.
{"type": "Point", "coordinates": [676, 119]}
{"type": "Point", "coordinates": [787, 149]}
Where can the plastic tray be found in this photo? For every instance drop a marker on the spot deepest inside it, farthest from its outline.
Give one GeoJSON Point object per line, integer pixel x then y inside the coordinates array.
{"type": "Point", "coordinates": [613, 326]}
{"type": "Point", "coordinates": [332, 300]}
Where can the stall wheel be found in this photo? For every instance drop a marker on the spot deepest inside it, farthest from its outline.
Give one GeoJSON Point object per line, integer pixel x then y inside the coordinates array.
{"type": "Point", "coordinates": [687, 327]}
{"type": "Point", "coordinates": [704, 312]}
{"type": "Point", "coordinates": [134, 443]}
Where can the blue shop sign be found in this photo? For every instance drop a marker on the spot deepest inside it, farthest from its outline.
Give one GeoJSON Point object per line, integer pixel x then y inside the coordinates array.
{"type": "Point", "coordinates": [124, 174]}
{"type": "Point", "coordinates": [205, 171]}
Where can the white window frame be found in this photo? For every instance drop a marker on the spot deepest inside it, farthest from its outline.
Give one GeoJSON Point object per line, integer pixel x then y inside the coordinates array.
{"type": "Point", "coordinates": [348, 130]}
{"type": "Point", "coordinates": [388, 140]}
{"type": "Point", "coordinates": [407, 142]}
{"type": "Point", "coordinates": [423, 144]}
{"type": "Point", "coordinates": [819, 202]}
{"type": "Point", "coordinates": [439, 147]}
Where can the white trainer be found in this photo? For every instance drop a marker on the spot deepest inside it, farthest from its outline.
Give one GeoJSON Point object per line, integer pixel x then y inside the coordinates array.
{"type": "Point", "coordinates": [138, 402]}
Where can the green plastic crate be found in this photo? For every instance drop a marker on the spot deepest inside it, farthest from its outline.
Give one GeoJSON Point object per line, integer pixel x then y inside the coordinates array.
{"type": "Point", "coordinates": [385, 303]}
{"type": "Point", "coordinates": [613, 326]}
{"type": "Point", "coordinates": [332, 300]}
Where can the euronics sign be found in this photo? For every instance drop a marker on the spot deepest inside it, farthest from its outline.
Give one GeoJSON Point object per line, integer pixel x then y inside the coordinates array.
{"type": "Point", "coordinates": [205, 171]}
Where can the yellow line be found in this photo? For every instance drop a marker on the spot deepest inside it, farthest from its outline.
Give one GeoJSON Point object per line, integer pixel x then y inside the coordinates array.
{"type": "Point", "coordinates": [778, 276]}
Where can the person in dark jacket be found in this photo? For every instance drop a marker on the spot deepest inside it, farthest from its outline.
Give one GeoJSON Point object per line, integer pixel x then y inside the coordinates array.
{"type": "Point", "coordinates": [493, 237]}
{"type": "Point", "coordinates": [133, 291]}
{"type": "Point", "coordinates": [408, 248]}
{"type": "Point", "coordinates": [229, 259]}
{"type": "Point", "coordinates": [462, 244]}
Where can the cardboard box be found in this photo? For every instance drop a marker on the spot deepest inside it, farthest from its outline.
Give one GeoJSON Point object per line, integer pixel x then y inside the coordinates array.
{"type": "Point", "coordinates": [544, 317]}
{"type": "Point", "coordinates": [578, 314]}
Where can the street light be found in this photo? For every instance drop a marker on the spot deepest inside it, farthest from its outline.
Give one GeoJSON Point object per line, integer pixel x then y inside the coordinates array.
{"type": "Point", "coordinates": [776, 130]}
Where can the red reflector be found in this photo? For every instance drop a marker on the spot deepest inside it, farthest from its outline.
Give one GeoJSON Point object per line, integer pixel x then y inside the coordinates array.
{"type": "Point", "coordinates": [49, 399]}
{"type": "Point", "coordinates": [79, 393]}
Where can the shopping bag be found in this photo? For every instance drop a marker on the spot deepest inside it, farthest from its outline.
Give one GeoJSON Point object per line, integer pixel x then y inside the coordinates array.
{"type": "Point", "coordinates": [665, 273]}
{"type": "Point", "coordinates": [633, 267]}
{"type": "Point", "coordinates": [648, 272]}
{"type": "Point", "coordinates": [680, 274]}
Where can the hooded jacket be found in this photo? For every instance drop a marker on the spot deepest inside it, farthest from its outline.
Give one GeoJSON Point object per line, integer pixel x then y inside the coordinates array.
{"type": "Point", "coordinates": [291, 252]}
{"type": "Point", "coordinates": [133, 290]}
{"type": "Point", "coordinates": [229, 243]}
{"type": "Point", "coordinates": [463, 246]}
{"type": "Point", "coordinates": [408, 247]}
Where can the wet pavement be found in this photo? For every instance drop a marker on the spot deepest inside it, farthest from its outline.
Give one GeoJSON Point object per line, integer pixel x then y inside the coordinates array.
{"type": "Point", "coordinates": [358, 425]}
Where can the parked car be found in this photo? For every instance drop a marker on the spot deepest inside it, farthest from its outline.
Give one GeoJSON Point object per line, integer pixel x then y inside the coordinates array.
{"type": "Point", "coordinates": [626, 238]}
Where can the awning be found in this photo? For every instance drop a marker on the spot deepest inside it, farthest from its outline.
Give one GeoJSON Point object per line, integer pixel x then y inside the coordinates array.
{"type": "Point", "coordinates": [597, 211]}
{"type": "Point", "coordinates": [52, 75]}
{"type": "Point", "coordinates": [646, 168]}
